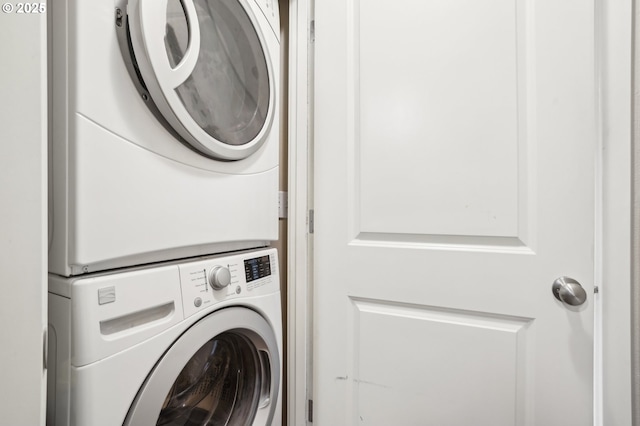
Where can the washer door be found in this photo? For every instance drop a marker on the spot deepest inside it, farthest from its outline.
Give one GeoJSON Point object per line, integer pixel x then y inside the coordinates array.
{"type": "Point", "coordinates": [225, 370]}
{"type": "Point", "coordinates": [204, 66]}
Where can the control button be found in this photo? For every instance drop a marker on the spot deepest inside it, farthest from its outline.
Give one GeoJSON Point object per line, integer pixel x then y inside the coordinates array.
{"type": "Point", "coordinates": [197, 302]}
{"type": "Point", "coordinates": [238, 290]}
{"type": "Point", "coordinates": [219, 277]}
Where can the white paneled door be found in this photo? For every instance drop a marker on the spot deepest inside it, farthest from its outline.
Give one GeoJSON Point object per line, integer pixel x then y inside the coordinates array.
{"type": "Point", "coordinates": [455, 181]}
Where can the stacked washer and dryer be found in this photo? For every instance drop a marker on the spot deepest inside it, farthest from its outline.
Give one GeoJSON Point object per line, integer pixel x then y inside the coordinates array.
{"type": "Point", "coordinates": [164, 298]}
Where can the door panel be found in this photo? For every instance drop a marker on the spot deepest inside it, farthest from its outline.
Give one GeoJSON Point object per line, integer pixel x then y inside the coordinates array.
{"type": "Point", "coordinates": [475, 83]}
{"type": "Point", "coordinates": [428, 382]}
{"type": "Point", "coordinates": [454, 182]}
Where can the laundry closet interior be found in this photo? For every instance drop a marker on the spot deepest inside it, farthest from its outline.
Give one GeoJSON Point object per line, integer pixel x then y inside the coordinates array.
{"type": "Point", "coordinates": [326, 212]}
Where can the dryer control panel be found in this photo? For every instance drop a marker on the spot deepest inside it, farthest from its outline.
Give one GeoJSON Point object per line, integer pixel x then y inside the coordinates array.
{"type": "Point", "coordinates": [211, 281]}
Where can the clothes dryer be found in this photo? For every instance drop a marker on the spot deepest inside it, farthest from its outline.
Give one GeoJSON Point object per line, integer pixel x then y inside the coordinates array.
{"type": "Point", "coordinates": [180, 344]}
{"type": "Point", "coordinates": [165, 132]}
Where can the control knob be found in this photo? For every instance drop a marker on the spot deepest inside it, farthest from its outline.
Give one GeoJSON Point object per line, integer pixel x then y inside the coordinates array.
{"type": "Point", "coordinates": [219, 277]}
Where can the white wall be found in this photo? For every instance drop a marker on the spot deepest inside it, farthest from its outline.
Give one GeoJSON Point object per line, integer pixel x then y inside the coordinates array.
{"type": "Point", "coordinates": [23, 231]}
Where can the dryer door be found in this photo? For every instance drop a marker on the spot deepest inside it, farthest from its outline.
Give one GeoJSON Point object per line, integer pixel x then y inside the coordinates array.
{"type": "Point", "coordinates": [225, 370]}
{"type": "Point", "coordinates": [204, 66]}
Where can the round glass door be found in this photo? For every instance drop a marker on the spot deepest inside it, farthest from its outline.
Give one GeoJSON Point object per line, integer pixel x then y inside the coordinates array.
{"type": "Point", "coordinates": [220, 385]}
{"type": "Point", "coordinates": [204, 66]}
{"type": "Point", "coordinates": [214, 375]}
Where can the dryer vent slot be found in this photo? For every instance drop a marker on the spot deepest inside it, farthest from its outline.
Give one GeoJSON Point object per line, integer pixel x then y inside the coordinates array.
{"type": "Point", "coordinates": [136, 319]}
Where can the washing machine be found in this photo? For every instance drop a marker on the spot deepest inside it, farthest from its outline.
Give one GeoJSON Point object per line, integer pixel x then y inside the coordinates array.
{"type": "Point", "coordinates": [165, 132]}
{"type": "Point", "coordinates": [191, 343]}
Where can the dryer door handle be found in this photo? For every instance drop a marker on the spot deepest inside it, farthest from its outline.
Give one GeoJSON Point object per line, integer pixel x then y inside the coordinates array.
{"type": "Point", "coordinates": [265, 379]}
{"type": "Point", "coordinates": [151, 16]}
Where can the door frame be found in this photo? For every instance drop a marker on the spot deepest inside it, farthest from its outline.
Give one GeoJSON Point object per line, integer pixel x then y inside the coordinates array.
{"type": "Point", "coordinates": [299, 239]}
{"type": "Point", "coordinates": [613, 331]}
{"type": "Point", "coordinates": [635, 222]}
{"type": "Point", "coordinates": [612, 345]}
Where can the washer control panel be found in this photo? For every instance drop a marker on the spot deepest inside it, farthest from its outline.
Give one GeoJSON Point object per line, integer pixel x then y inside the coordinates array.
{"type": "Point", "coordinates": [205, 283]}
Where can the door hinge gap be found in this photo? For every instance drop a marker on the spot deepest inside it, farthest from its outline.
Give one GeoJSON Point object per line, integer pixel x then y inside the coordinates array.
{"type": "Point", "coordinates": [310, 411]}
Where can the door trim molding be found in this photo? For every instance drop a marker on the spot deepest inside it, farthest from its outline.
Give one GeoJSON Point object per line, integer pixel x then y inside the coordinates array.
{"type": "Point", "coordinates": [299, 242]}
{"type": "Point", "coordinates": [615, 65]}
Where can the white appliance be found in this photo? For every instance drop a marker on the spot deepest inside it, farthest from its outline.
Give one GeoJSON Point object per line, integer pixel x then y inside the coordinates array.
{"type": "Point", "coordinates": [165, 130]}
{"type": "Point", "coordinates": [181, 343]}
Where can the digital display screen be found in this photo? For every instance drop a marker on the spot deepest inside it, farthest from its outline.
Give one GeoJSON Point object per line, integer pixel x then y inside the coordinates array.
{"type": "Point", "coordinates": [257, 268]}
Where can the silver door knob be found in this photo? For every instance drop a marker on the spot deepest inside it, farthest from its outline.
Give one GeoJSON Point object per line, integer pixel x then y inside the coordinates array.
{"type": "Point", "coordinates": [569, 291]}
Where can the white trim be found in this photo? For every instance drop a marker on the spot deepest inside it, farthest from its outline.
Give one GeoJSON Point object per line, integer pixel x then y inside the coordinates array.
{"type": "Point", "coordinates": [616, 48]}
{"type": "Point", "coordinates": [299, 246]}
{"type": "Point", "coordinates": [23, 191]}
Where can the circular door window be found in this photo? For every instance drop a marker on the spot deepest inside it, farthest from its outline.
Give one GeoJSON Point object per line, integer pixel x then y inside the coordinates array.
{"type": "Point", "coordinates": [231, 378]}
{"type": "Point", "coordinates": [220, 385]}
{"type": "Point", "coordinates": [203, 65]}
